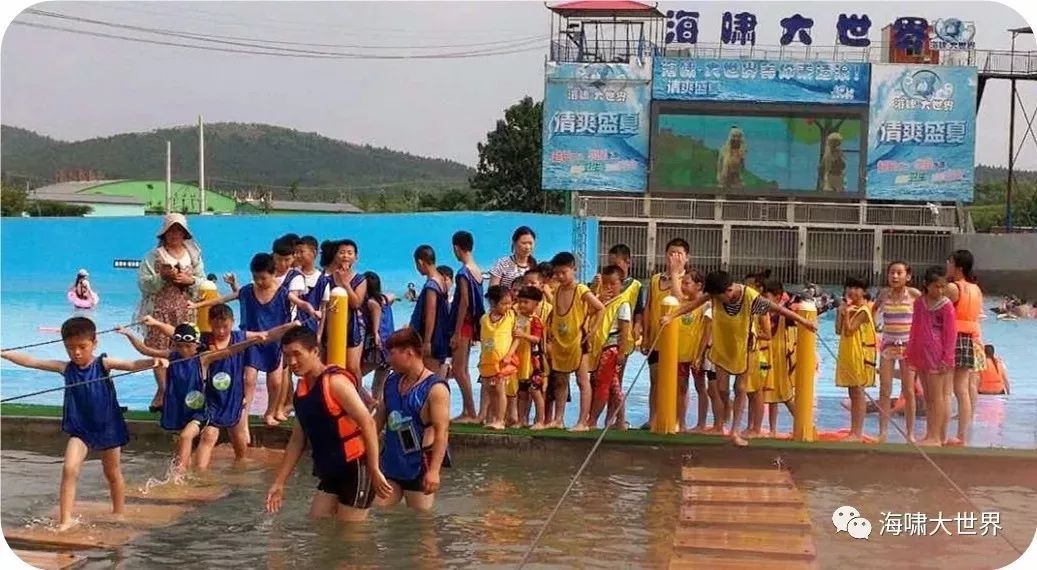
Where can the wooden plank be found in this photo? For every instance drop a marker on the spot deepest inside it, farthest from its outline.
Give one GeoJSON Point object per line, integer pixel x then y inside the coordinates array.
{"type": "Point", "coordinates": [736, 476]}
{"type": "Point", "coordinates": [45, 560]}
{"type": "Point", "coordinates": [720, 541]}
{"type": "Point", "coordinates": [253, 455]}
{"type": "Point", "coordinates": [80, 537]}
{"type": "Point", "coordinates": [766, 515]}
{"type": "Point", "coordinates": [184, 493]}
{"type": "Point", "coordinates": [136, 515]}
{"type": "Point", "coordinates": [739, 562]}
{"type": "Point", "coordinates": [741, 495]}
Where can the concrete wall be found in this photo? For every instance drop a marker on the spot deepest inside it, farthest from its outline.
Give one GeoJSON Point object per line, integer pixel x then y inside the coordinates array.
{"type": "Point", "coordinates": [1005, 263]}
{"type": "Point", "coordinates": [115, 210]}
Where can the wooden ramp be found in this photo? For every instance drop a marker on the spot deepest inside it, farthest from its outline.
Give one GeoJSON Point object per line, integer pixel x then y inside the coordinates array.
{"type": "Point", "coordinates": [742, 519]}
{"type": "Point", "coordinates": [45, 560]}
{"type": "Point", "coordinates": [81, 537]}
{"type": "Point", "coordinates": [136, 515]}
{"type": "Point", "coordinates": [173, 493]}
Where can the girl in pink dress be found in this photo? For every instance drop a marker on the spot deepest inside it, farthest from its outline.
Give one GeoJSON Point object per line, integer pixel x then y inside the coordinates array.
{"type": "Point", "coordinates": [930, 351]}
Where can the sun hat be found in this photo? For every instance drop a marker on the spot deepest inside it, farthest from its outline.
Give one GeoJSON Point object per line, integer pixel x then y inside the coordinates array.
{"type": "Point", "coordinates": [83, 273]}
{"type": "Point", "coordinates": [171, 220]}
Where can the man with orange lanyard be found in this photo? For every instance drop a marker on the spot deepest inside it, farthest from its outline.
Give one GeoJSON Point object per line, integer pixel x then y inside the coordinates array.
{"type": "Point", "coordinates": [416, 417]}
{"type": "Point", "coordinates": [342, 435]}
{"type": "Point", "coordinates": [968, 352]}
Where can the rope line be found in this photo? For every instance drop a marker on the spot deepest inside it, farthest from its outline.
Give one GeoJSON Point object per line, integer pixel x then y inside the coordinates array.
{"type": "Point", "coordinates": [586, 462]}
{"type": "Point", "coordinates": [925, 455]}
{"type": "Point", "coordinates": [46, 342]}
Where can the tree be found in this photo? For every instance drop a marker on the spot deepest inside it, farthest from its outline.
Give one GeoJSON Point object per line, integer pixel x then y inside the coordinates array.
{"type": "Point", "coordinates": [12, 201]}
{"type": "Point", "coordinates": [508, 175]}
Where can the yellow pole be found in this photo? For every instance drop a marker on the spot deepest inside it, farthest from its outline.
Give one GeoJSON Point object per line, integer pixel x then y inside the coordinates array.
{"type": "Point", "coordinates": [803, 428]}
{"type": "Point", "coordinates": [338, 322]}
{"type": "Point", "coordinates": [206, 291]}
{"type": "Point", "coordinates": [666, 378]}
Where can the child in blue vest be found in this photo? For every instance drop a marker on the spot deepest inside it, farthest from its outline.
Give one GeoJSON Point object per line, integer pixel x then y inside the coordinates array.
{"type": "Point", "coordinates": [431, 316]}
{"type": "Point", "coordinates": [378, 314]}
{"type": "Point", "coordinates": [91, 415]}
{"type": "Point", "coordinates": [185, 408]}
{"type": "Point", "coordinates": [265, 305]}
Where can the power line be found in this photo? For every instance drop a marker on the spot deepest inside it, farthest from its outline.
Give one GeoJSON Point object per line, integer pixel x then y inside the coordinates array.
{"type": "Point", "coordinates": [259, 42]}
{"type": "Point", "coordinates": [274, 51]}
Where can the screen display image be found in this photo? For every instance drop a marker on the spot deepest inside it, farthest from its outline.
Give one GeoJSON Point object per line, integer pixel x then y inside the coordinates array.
{"type": "Point", "coordinates": [744, 154]}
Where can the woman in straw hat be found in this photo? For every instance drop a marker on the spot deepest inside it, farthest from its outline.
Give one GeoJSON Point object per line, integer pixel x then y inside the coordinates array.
{"type": "Point", "coordinates": [167, 278]}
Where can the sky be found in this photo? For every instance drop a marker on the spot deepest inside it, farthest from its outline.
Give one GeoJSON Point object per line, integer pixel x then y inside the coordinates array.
{"type": "Point", "coordinates": [73, 87]}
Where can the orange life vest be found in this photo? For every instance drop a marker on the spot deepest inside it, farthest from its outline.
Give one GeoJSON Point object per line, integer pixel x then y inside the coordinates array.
{"type": "Point", "coordinates": [992, 378]}
{"type": "Point", "coordinates": [346, 435]}
{"type": "Point", "coordinates": [968, 307]}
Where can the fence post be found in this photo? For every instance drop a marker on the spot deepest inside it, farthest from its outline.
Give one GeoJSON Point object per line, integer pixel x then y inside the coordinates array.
{"type": "Point", "coordinates": [803, 428]}
{"type": "Point", "coordinates": [338, 322]}
{"type": "Point", "coordinates": [878, 257]}
{"type": "Point", "coordinates": [725, 246]}
{"type": "Point", "coordinates": [666, 388]}
{"type": "Point", "coordinates": [801, 255]}
{"type": "Point", "coordinates": [651, 242]}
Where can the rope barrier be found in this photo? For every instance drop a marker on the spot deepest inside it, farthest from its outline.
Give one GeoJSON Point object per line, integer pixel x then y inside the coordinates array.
{"type": "Point", "coordinates": [597, 443]}
{"type": "Point", "coordinates": [46, 342]}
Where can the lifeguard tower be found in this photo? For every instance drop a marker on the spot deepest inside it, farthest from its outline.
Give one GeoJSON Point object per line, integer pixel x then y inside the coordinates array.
{"type": "Point", "coordinates": [609, 31]}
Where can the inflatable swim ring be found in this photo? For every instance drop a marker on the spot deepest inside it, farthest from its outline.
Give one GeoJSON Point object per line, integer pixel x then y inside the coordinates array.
{"type": "Point", "coordinates": [80, 303]}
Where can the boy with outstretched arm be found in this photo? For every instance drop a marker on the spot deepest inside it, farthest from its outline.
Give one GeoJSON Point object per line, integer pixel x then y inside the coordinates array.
{"type": "Point", "coordinates": [90, 415]}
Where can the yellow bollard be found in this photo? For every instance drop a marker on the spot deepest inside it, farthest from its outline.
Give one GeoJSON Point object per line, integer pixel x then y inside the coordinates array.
{"type": "Point", "coordinates": [337, 325]}
{"type": "Point", "coordinates": [803, 428]}
{"type": "Point", "coordinates": [206, 291]}
{"type": "Point", "coordinates": [666, 377]}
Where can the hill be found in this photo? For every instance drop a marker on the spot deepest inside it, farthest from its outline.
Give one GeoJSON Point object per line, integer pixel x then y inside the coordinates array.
{"type": "Point", "coordinates": [237, 156]}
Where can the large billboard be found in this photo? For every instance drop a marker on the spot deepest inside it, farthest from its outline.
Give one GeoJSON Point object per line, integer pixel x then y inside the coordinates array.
{"type": "Point", "coordinates": [754, 80]}
{"type": "Point", "coordinates": [595, 134]}
{"type": "Point", "coordinates": [922, 133]}
{"type": "Point", "coordinates": [757, 150]}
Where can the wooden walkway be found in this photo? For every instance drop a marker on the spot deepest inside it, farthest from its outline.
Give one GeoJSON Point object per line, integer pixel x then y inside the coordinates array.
{"type": "Point", "coordinates": [742, 519]}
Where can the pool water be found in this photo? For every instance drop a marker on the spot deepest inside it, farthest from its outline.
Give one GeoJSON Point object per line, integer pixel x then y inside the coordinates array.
{"type": "Point", "coordinates": [622, 512]}
{"type": "Point", "coordinates": [27, 305]}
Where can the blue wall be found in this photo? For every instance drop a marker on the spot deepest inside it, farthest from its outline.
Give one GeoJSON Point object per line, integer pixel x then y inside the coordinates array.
{"type": "Point", "coordinates": [46, 252]}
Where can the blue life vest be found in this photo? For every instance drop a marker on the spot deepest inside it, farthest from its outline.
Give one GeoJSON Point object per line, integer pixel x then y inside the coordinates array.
{"type": "Point", "coordinates": [402, 458]}
{"type": "Point", "coordinates": [91, 410]}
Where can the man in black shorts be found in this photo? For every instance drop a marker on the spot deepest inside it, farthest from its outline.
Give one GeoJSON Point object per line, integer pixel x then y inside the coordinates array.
{"type": "Point", "coordinates": [341, 433]}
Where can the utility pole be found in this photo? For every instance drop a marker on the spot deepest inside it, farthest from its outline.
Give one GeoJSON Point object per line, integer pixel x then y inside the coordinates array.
{"type": "Point", "coordinates": [201, 166]}
{"type": "Point", "coordinates": [169, 177]}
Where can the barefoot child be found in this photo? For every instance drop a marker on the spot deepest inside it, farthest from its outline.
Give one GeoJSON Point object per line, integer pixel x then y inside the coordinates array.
{"type": "Point", "coordinates": [691, 347]}
{"type": "Point", "coordinates": [619, 255]}
{"type": "Point", "coordinates": [779, 388]}
{"type": "Point", "coordinates": [894, 306]}
{"type": "Point", "coordinates": [529, 330]}
{"type": "Point", "coordinates": [734, 307]}
{"type": "Point", "coordinates": [378, 313]}
{"type": "Point", "coordinates": [91, 415]}
{"type": "Point", "coordinates": [355, 285]}
{"type": "Point", "coordinates": [184, 409]}
{"type": "Point", "coordinates": [431, 316]}
{"type": "Point", "coordinates": [968, 353]}
{"type": "Point", "coordinates": [540, 278]}
{"type": "Point", "coordinates": [855, 365]}
{"type": "Point", "coordinates": [931, 352]}
{"type": "Point", "coordinates": [465, 314]}
{"type": "Point", "coordinates": [264, 306]}
{"type": "Point", "coordinates": [496, 367]}
{"type": "Point", "coordinates": [341, 434]}
{"type": "Point", "coordinates": [574, 304]}
{"type": "Point", "coordinates": [609, 340]}
{"type": "Point", "coordinates": [759, 372]}
{"type": "Point", "coordinates": [660, 286]}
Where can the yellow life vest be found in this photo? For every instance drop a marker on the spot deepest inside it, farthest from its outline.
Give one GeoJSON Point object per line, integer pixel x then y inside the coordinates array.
{"type": "Point", "coordinates": [525, 348]}
{"type": "Point", "coordinates": [566, 332]}
{"type": "Point", "coordinates": [599, 334]}
{"type": "Point", "coordinates": [545, 317]}
{"type": "Point", "coordinates": [730, 349]}
{"type": "Point", "coordinates": [855, 365]}
{"type": "Point", "coordinates": [760, 359]}
{"type": "Point", "coordinates": [779, 386]}
{"type": "Point", "coordinates": [495, 342]}
{"type": "Point", "coordinates": [692, 329]}
{"type": "Point", "coordinates": [632, 292]}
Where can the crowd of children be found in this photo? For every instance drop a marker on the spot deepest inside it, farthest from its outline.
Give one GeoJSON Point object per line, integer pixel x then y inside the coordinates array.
{"type": "Point", "coordinates": [737, 347]}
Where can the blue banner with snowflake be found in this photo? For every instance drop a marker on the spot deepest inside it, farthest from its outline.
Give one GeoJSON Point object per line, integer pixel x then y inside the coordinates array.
{"type": "Point", "coordinates": [922, 133]}
{"type": "Point", "coordinates": [595, 131]}
{"type": "Point", "coordinates": [757, 80]}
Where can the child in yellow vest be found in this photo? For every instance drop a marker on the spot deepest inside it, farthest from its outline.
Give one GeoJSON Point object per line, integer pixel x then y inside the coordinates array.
{"type": "Point", "coordinates": [779, 388]}
{"type": "Point", "coordinates": [611, 340]}
{"type": "Point", "coordinates": [692, 342]}
{"type": "Point", "coordinates": [496, 356]}
{"type": "Point", "coordinates": [566, 340]}
{"type": "Point", "coordinates": [855, 366]}
{"type": "Point", "coordinates": [734, 307]}
{"type": "Point", "coordinates": [529, 330]}
{"type": "Point", "coordinates": [660, 286]}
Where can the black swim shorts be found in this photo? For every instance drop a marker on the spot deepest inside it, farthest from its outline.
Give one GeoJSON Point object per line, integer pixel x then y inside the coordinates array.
{"type": "Point", "coordinates": [352, 486]}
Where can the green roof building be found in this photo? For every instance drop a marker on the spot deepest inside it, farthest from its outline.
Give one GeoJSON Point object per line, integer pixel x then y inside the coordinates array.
{"type": "Point", "coordinates": [153, 192]}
